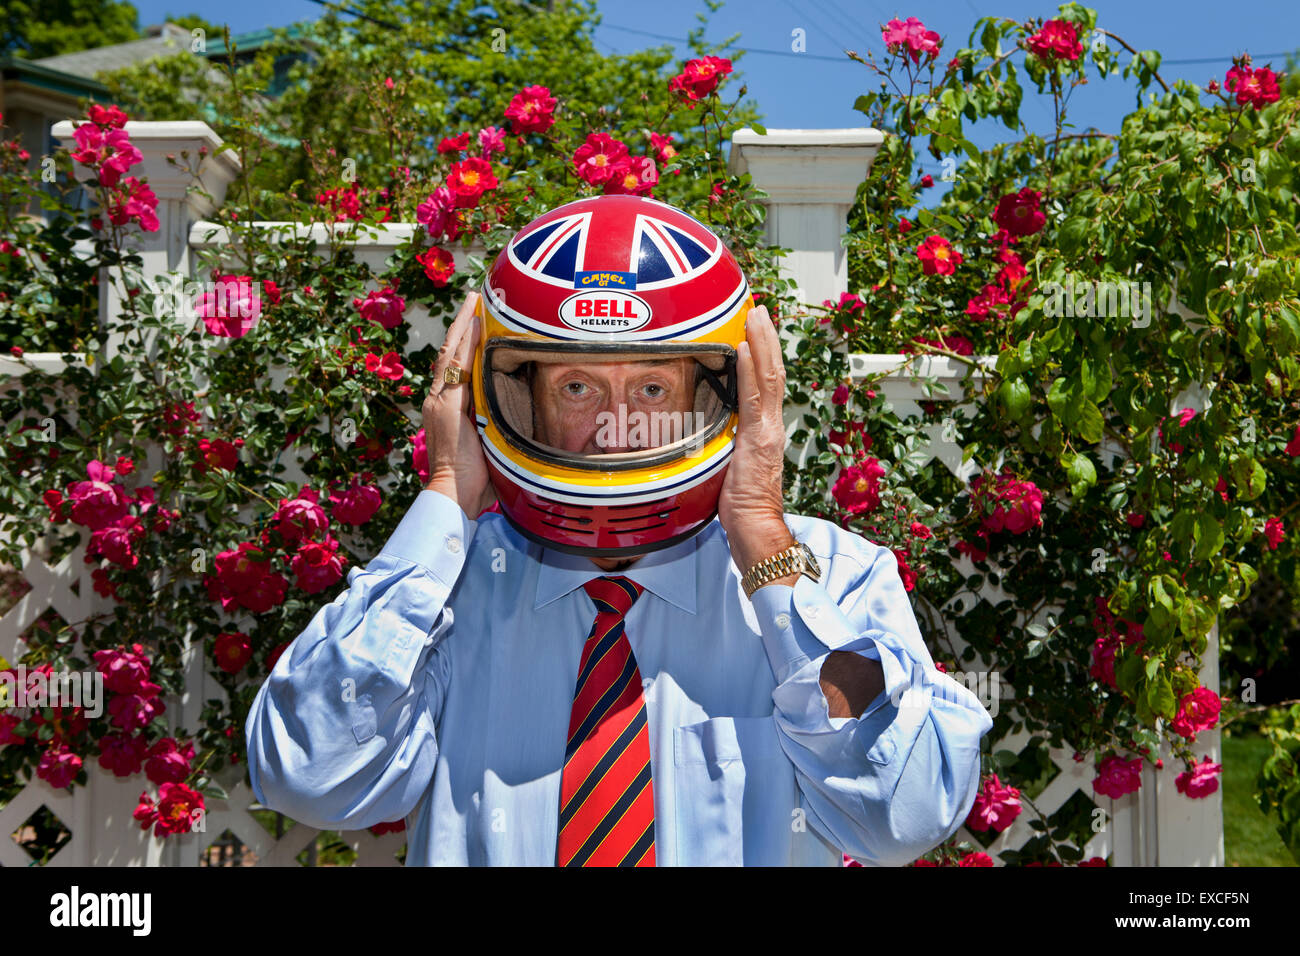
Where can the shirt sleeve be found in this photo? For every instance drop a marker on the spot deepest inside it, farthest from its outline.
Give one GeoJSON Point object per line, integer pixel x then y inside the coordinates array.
{"type": "Point", "coordinates": [900, 778]}
{"type": "Point", "coordinates": [342, 734]}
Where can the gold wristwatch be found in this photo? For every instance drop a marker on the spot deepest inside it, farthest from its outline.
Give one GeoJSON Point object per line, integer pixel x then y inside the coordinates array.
{"type": "Point", "coordinates": [799, 558]}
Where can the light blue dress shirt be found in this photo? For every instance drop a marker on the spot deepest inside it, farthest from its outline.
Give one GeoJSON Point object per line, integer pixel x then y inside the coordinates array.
{"type": "Point", "coordinates": [437, 688]}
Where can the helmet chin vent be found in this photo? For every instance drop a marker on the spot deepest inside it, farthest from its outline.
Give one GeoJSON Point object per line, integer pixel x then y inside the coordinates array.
{"type": "Point", "coordinates": [549, 514]}
{"type": "Point", "coordinates": [647, 517]}
{"type": "Point", "coordinates": [565, 527]}
{"type": "Point", "coordinates": [565, 504]}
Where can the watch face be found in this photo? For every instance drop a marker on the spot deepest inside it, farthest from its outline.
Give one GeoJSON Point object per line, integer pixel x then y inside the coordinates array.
{"type": "Point", "coordinates": [812, 561]}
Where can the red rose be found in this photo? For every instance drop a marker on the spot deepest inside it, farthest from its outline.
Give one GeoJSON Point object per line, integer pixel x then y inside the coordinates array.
{"type": "Point", "coordinates": [857, 488]}
{"type": "Point", "coordinates": [232, 651]}
{"type": "Point", "coordinates": [596, 159]}
{"type": "Point", "coordinates": [938, 256]}
{"type": "Point", "coordinates": [1057, 40]}
{"type": "Point", "coordinates": [439, 265]}
{"type": "Point", "coordinates": [1256, 87]}
{"type": "Point", "coordinates": [532, 110]}
{"type": "Point", "coordinates": [469, 179]}
{"type": "Point", "coordinates": [700, 77]}
{"type": "Point", "coordinates": [1018, 213]}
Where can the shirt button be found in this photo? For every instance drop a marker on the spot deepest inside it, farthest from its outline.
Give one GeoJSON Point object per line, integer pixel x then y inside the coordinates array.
{"type": "Point", "coordinates": [453, 544]}
{"type": "Point", "coordinates": [782, 621]}
{"type": "Point", "coordinates": [812, 611]}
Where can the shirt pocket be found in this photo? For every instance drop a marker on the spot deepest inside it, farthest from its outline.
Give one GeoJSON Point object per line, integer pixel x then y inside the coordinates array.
{"type": "Point", "coordinates": [735, 793]}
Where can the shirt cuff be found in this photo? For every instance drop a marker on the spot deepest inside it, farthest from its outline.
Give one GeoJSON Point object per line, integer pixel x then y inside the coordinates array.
{"type": "Point", "coordinates": [435, 534]}
{"type": "Point", "coordinates": [800, 625]}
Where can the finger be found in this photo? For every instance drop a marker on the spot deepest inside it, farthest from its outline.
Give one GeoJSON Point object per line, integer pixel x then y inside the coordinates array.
{"type": "Point", "coordinates": [464, 356]}
{"type": "Point", "coordinates": [765, 347]}
{"type": "Point", "coordinates": [457, 330]}
{"type": "Point", "coordinates": [748, 396]}
{"type": "Point", "coordinates": [448, 351]}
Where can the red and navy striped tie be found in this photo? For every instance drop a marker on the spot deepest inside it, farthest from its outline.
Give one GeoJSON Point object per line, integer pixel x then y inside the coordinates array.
{"type": "Point", "coordinates": [607, 804]}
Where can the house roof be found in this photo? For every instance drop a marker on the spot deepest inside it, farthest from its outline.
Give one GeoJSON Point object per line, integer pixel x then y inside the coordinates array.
{"type": "Point", "coordinates": [169, 39]}
{"type": "Point", "coordinates": [31, 73]}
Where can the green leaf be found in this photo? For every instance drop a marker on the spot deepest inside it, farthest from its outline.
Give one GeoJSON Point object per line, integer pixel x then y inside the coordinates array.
{"type": "Point", "coordinates": [1160, 697]}
{"type": "Point", "coordinates": [1015, 396]}
{"type": "Point", "coordinates": [1128, 672]}
{"type": "Point", "coordinates": [1159, 595]}
{"type": "Point", "coordinates": [1152, 668]}
{"type": "Point", "coordinates": [215, 791]}
{"type": "Point", "coordinates": [1195, 618]}
{"type": "Point", "coordinates": [1090, 424]}
{"type": "Point", "coordinates": [758, 128]}
{"type": "Point", "coordinates": [1072, 234]}
{"type": "Point", "coordinates": [1207, 537]}
{"type": "Point", "coordinates": [1082, 475]}
{"type": "Point", "coordinates": [1248, 476]}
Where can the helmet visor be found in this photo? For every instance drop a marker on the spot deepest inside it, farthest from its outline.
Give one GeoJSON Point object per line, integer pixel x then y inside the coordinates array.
{"type": "Point", "coordinates": [699, 380]}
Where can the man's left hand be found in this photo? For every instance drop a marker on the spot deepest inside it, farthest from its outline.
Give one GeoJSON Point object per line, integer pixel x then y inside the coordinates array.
{"type": "Point", "coordinates": [751, 506]}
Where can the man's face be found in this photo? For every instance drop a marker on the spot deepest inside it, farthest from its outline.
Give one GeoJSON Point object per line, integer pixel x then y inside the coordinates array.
{"type": "Point", "coordinates": [568, 401]}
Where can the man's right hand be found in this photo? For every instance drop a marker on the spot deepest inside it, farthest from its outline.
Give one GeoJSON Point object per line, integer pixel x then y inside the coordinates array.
{"type": "Point", "coordinates": [457, 466]}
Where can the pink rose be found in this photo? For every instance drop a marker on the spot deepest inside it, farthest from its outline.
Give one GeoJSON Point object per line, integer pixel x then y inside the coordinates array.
{"type": "Point", "coordinates": [122, 753]}
{"type": "Point", "coordinates": [357, 504]}
{"type": "Point", "coordinates": [1197, 711]}
{"type": "Point", "coordinates": [384, 307]}
{"type": "Point", "coordinates": [99, 502]}
{"type": "Point", "coordinates": [132, 712]}
{"type": "Point", "coordinates": [1201, 781]}
{"type": "Point", "coordinates": [167, 762]}
{"type": "Point", "coordinates": [317, 565]}
{"type": "Point", "coordinates": [114, 542]}
{"type": "Point", "coordinates": [58, 766]}
{"type": "Point", "coordinates": [911, 35]}
{"type": "Point", "coordinates": [420, 457]}
{"type": "Point", "coordinates": [492, 140]}
{"type": "Point", "coordinates": [1116, 777]}
{"type": "Point", "coordinates": [1274, 532]}
{"type": "Point", "coordinates": [595, 159]}
{"type": "Point", "coordinates": [300, 517]}
{"type": "Point", "coordinates": [125, 672]}
{"type": "Point", "coordinates": [995, 806]}
{"type": "Point", "coordinates": [232, 308]}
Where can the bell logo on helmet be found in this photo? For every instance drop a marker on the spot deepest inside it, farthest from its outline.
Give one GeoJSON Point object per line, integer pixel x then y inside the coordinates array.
{"type": "Point", "coordinates": [605, 310]}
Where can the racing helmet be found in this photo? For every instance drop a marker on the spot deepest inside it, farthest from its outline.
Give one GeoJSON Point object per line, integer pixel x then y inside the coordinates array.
{"type": "Point", "coordinates": [610, 279]}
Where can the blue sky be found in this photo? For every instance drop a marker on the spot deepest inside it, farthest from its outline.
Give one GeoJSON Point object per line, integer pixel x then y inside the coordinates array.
{"type": "Point", "coordinates": [816, 89]}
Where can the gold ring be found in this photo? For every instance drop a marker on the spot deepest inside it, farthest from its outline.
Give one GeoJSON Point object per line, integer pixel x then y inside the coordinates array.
{"type": "Point", "coordinates": [454, 375]}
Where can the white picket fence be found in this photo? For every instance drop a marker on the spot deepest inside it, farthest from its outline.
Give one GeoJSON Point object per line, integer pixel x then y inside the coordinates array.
{"type": "Point", "coordinates": [811, 177]}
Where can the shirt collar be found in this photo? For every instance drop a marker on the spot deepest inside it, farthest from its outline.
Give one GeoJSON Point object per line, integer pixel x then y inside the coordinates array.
{"type": "Point", "coordinates": [669, 573]}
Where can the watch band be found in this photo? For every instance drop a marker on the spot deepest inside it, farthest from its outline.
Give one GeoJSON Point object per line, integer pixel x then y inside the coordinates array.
{"type": "Point", "coordinates": [798, 558]}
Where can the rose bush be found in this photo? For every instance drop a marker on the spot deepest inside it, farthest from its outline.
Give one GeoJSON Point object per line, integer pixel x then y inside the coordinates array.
{"type": "Point", "coordinates": [214, 548]}
{"type": "Point", "coordinates": [217, 539]}
{"type": "Point", "coordinates": [1118, 521]}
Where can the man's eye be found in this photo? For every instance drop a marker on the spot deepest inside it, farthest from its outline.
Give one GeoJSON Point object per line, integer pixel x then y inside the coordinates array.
{"type": "Point", "coordinates": [574, 388]}
{"type": "Point", "coordinates": [658, 390]}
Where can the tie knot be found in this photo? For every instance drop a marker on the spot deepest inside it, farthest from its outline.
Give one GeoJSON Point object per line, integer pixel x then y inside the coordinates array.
{"type": "Point", "coordinates": [613, 593]}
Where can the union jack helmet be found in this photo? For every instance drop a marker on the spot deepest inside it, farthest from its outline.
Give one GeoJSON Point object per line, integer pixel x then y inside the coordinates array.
{"type": "Point", "coordinates": [610, 279]}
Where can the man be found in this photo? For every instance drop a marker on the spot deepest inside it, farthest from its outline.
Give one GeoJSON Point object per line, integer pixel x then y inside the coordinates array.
{"type": "Point", "coordinates": [753, 688]}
